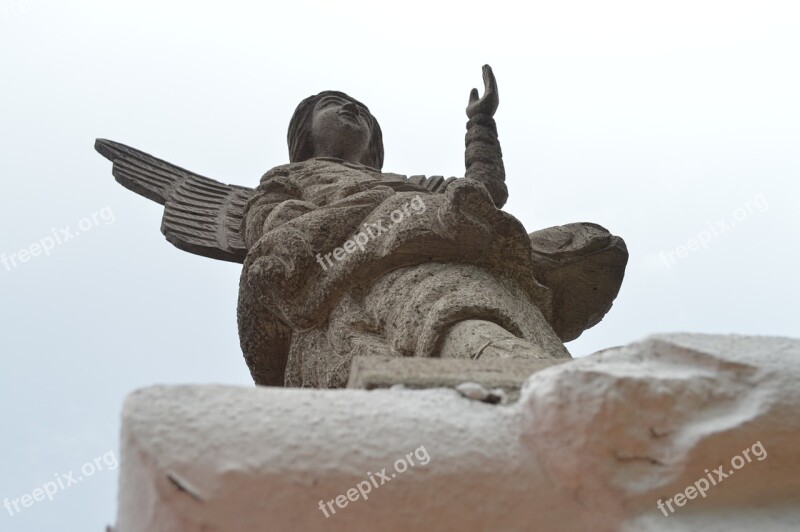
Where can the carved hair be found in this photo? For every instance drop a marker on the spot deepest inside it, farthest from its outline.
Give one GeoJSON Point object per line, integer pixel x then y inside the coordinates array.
{"type": "Point", "coordinates": [299, 136]}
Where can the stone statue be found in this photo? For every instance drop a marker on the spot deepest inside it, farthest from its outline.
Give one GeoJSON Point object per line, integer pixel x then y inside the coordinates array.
{"type": "Point", "coordinates": [342, 259]}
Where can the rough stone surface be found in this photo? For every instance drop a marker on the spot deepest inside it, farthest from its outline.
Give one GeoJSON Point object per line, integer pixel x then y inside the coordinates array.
{"type": "Point", "coordinates": [342, 259]}
{"type": "Point", "coordinates": [508, 375]}
{"type": "Point", "coordinates": [592, 444]}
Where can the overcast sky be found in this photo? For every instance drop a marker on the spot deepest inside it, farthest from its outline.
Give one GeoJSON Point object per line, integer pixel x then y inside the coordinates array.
{"type": "Point", "coordinates": [667, 125]}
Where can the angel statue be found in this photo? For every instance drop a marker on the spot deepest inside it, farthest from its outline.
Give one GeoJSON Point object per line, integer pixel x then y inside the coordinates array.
{"type": "Point", "coordinates": [342, 259]}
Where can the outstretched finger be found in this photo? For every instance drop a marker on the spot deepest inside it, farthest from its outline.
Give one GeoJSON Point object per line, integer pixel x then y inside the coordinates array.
{"type": "Point", "coordinates": [473, 95]}
{"type": "Point", "coordinates": [489, 81]}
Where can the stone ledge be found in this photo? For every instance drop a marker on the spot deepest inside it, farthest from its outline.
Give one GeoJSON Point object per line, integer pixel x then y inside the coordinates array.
{"type": "Point", "coordinates": [371, 373]}
{"type": "Point", "coordinates": [590, 445]}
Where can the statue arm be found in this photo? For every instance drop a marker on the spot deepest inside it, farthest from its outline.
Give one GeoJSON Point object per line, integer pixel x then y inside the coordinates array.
{"type": "Point", "coordinates": [483, 157]}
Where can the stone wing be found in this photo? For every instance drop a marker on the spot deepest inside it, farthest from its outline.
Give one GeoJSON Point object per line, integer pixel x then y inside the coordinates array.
{"type": "Point", "coordinates": [201, 216]}
{"type": "Point", "coordinates": [583, 266]}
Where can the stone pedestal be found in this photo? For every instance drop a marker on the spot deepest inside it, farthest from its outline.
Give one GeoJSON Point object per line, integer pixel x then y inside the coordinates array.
{"type": "Point", "coordinates": [625, 439]}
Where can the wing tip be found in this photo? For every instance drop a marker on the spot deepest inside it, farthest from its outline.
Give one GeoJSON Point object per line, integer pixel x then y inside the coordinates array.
{"type": "Point", "coordinates": [235, 255]}
{"type": "Point", "coordinates": [107, 148]}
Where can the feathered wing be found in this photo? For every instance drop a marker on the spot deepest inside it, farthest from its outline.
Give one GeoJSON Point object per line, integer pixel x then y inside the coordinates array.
{"type": "Point", "coordinates": [583, 265]}
{"type": "Point", "coordinates": [201, 216]}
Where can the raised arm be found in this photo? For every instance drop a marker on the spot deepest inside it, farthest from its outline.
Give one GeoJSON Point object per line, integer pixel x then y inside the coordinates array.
{"type": "Point", "coordinates": [483, 157]}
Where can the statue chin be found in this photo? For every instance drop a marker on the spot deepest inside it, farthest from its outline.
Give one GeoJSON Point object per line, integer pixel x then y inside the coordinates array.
{"type": "Point", "coordinates": [340, 138]}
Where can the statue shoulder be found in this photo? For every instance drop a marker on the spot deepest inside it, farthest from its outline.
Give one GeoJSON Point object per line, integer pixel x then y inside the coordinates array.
{"type": "Point", "coordinates": [434, 183]}
{"type": "Point", "coordinates": [282, 170]}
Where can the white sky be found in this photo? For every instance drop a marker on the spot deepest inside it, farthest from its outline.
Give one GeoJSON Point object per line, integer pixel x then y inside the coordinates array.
{"type": "Point", "coordinates": [653, 121]}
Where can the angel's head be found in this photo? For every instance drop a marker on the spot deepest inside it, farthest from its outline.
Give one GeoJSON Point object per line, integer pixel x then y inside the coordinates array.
{"type": "Point", "coordinates": [332, 124]}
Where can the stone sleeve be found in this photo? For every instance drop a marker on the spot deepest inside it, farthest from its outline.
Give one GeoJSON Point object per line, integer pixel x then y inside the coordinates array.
{"type": "Point", "coordinates": [484, 158]}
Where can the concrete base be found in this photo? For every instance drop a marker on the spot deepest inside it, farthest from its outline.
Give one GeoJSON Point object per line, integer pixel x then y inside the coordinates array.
{"type": "Point", "coordinates": [593, 444]}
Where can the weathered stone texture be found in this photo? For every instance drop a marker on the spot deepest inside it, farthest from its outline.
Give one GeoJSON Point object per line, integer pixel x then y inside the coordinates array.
{"type": "Point", "coordinates": [592, 444]}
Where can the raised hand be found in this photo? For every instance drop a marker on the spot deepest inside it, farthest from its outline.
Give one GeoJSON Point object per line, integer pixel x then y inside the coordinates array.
{"type": "Point", "coordinates": [487, 104]}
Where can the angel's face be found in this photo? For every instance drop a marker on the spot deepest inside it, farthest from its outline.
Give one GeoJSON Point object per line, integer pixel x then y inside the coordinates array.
{"type": "Point", "coordinates": [340, 128]}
